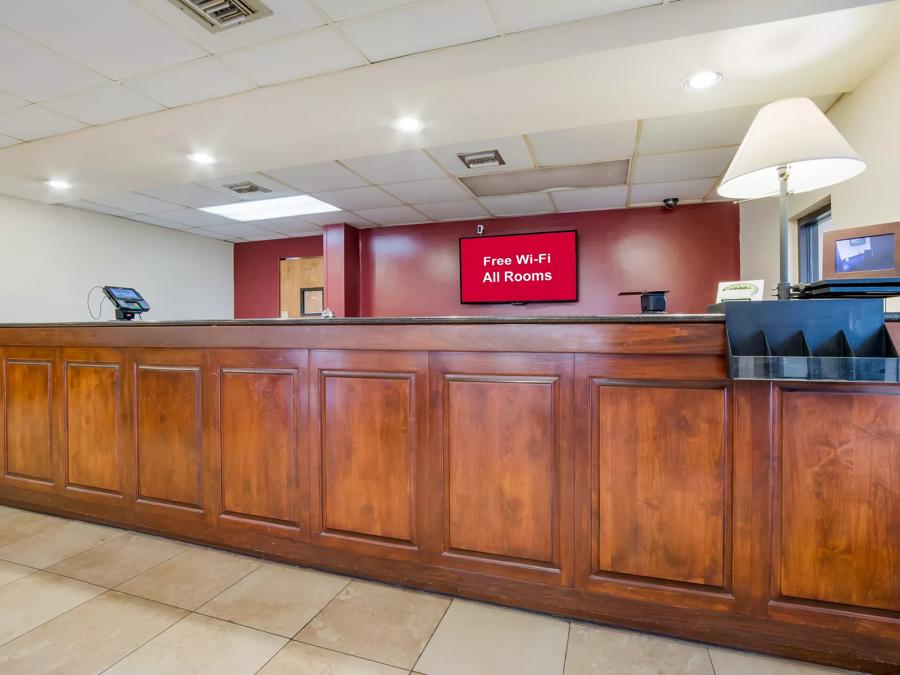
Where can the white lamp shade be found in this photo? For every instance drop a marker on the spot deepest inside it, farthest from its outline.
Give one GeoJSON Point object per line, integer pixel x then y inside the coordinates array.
{"type": "Point", "coordinates": [792, 133]}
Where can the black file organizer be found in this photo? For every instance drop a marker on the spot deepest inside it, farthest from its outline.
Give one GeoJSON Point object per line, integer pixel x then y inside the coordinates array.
{"type": "Point", "coordinates": [817, 340]}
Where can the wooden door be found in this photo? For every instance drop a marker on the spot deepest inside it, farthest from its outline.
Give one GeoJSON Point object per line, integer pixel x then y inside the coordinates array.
{"type": "Point", "coordinates": [369, 426]}
{"type": "Point", "coordinates": [502, 464]}
{"type": "Point", "coordinates": [295, 275]}
{"type": "Point", "coordinates": [260, 472]}
{"type": "Point", "coordinates": [28, 422]}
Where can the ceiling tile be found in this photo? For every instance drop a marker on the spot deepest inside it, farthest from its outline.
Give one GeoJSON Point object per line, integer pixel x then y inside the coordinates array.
{"type": "Point", "coordinates": [395, 167]}
{"type": "Point", "coordinates": [678, 166]}
{"type": "Point", "coordinates": [591, 199]}
{"type": "Point", "coordinates": [159, 222]}
{"type": "Point", "coordinates": [454, 210]}
{"type": "Point", "coordinates": [339, 10]}
{"type": "Point", "coordinates": [518, 205]}
{"type": "Point", "coordinates": [336, 217]}
{"type": "Point", "coordinates": [190, 82]}
{"type": "Point", "coordinates": [512, 149]}
{"type": "Point", "coordinates": [318, 177]}
{"type": "Point", "coordinates": [112, 37]}
{"type": "Point", "coordinates": [99, 208]}
{"type": "Point", "coordinates": [291, 58]}
{"type": "Point", "coordinates": [585, 144]}
{"type": "Point", "coordinates": [276, 188]}
{"type": "Point", "coordinates": [210, 234]}
{"type": "Point", "coordinates": [189, 194]}
{"type": "Point", "coordinates": [394, 215]}
{"type": "Point", "coordinates": [33, 122]}
{"type": "Point", "coordinates": [420, 27]}
{"type": "Point", "coordinates": [245, 231]}
{"type": "Point", "coordinates": [133, 203]}
{"type": "Point", "coordinates": [6, 141]}
{"type": "Point", "coordinates": [358, 198]}
{"type": "Point", "coordinates": [39, 72]}
{"type": "Point", "coordinates": [288, 16]}
{"type": "Point", "coordinates": [193, 218]}
{"type": "Point", "coordinates": [99, 105]}
{"type": "Point", "coordinates": [288, 225]}
{"type": "Point", "coordinates": [516, 15]}
{"type": "Point", "coordinates": [710, 129]}
{"type": "Point", "coordinates": [656, 192]}
{"type": "Point", "coordinates": [428, 191]}
{"type": "Point", "coordinates": [9, 102]}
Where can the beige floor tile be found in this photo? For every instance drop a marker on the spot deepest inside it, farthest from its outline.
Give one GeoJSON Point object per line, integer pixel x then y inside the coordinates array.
{"type": "Point", "coordinates": [89, 638]}
{"type": "Point", "coordinates": [200, 644]}
{"type": "Point", "coordinates": [37, 598]}
{"type": "Point", "coordinates": [481, 639]}
{"type": "Point", "coordinates": [10, 572]}
{"type": "Point", "coordinates": [730, 662]}
{"type": "Point", "coordinates": [377, 622]}
{"type": "Point", "coordinates": [298, 658]}
{"type": "Point", "coordinates": [58, 543]}
{"type": "Point", "coordinates": [276, 598]}
{"type": "Point", "coordinates": [119, 560]}
{"type": "Point", "coordinates": [190, 578]}
{"type": "Point", "coordinates": [594, 650]}
{"type": "Point", "coordinates": [16, 525]}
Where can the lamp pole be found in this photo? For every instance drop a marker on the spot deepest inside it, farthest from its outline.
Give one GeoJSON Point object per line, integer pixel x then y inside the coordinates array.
{"type": "Point", "coordinates": [784, 285]}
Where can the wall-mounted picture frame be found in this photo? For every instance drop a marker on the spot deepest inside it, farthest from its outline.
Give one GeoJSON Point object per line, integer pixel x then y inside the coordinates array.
{"type": "Point", "coordinates": [866, 252]}
{"type": "Point", "coordinates": [312, 301]}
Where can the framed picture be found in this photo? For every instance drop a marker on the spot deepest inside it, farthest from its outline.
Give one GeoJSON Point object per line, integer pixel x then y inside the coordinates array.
{"type": "Point", "coordinates": [312, 301]}
{"type": "Point", "coordinates": [862, 252]}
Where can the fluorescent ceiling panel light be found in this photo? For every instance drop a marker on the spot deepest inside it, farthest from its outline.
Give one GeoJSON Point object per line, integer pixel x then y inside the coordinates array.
{"type": "Point", "coordinates": [598, 174]}
{"type": "Point", "coordinates": [263, 209]}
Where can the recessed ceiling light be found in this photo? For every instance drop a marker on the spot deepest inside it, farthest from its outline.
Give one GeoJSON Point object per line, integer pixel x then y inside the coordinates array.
{"type": "Point", "coordinates": [702, 79]}
{"type": "Point", "coordinates": [263, 209]}
{"type": "Point", "coordinates": [57, 184]}
{"type": "Point", "coordinates": [202, 158]}
{"type": "Point", "coordinates": [408, 125]}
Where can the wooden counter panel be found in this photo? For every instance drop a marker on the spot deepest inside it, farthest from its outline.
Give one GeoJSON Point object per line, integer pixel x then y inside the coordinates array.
{"type": "Point", "coordinates": [839, 511]}
{"type": "Point", "coordinates": [27, 419]}
{"type": "Point", "coordinates": [368, 409]}
{"type": "Point", "coordinates": [95, 433]}
{"type": "Point", "coordinates": [168, 430]}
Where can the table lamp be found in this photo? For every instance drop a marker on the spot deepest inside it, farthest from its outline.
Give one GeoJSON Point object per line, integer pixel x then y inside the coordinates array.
{"type": "Point", "coordinates": [791, 147]}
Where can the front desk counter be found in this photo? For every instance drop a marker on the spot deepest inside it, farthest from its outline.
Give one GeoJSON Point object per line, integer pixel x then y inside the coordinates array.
{"type": "Point", "coordinates": [600, 468]}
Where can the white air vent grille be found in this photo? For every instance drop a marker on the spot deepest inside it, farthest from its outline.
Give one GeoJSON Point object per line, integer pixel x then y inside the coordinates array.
{"type": "Point", "coordinates": [481, 160]}
{"type": "Point", "coordinates": [218, 15]}
{"type": "Point", "coordinates": [246, 188]}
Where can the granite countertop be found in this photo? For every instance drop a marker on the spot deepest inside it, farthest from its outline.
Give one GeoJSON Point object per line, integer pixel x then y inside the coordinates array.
{"type": "Point", "coordinates": [390, 321]}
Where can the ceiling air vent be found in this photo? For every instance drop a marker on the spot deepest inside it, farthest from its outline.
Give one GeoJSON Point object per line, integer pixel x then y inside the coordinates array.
{"type": "Point", "coordinates": [481, 160]}
{"type": "Point", "coordinates": [246, 188]}
{"type": "Point", "coordinates": [218, 15]}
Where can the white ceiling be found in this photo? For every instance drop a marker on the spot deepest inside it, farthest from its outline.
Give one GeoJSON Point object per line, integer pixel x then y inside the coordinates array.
{"type": "Point", "coordinates": [546, 83]}
{"type": "Point", "coordinates": [419, 186]}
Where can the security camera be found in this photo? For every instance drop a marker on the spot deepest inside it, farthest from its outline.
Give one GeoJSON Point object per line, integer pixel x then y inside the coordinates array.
{"type": "Point", "coordinates": [670, 203]}
{"type": "Point", "coordinates": [479, 230]}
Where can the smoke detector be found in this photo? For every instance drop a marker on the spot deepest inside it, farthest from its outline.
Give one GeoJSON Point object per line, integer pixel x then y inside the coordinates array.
{"type": "Point", "coordinates": [247, 188]}
{"type": "Point", "coordinates": [482, 159]}
{"type": "Point", "coordinates": [219, 15]}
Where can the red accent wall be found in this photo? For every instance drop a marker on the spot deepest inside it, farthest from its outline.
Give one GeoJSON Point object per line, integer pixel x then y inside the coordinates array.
{"type": "Point", "coordinates": [414, 270]}
{"type": "Point", "coordinates": [257, 284]}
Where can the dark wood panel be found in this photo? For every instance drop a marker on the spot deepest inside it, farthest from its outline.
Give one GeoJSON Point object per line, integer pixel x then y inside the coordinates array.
{"type": "Point", "coordinates": [28, 422]}
{"type": "Point", "coordinates": [94, 457]}
{"type": "Point", "coordinates": [660, 472]}
{"type": "Point", "coordinates": [368, 408]}
{"type": "Point", "coordinates": [839, 511]}
{"type": "Point", "coordinates": [168, 434]}
{"type": "Point", "coordinates": [502, 431]}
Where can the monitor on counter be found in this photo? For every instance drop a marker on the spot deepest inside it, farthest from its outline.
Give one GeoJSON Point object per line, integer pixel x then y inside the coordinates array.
{"type": "Point", "coordinates": [519, 268]}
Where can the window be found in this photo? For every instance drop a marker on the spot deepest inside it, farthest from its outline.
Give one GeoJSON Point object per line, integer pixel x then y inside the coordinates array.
{"type": "Point", "coordinates": [808, 230]}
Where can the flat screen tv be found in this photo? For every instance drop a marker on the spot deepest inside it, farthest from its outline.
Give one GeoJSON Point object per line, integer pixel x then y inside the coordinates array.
{"type": "Point", "coordinates": [518, 268]}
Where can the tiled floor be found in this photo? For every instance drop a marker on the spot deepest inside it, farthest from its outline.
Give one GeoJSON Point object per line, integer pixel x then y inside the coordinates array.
{"type": "Point", "coordinates": [80, 598]}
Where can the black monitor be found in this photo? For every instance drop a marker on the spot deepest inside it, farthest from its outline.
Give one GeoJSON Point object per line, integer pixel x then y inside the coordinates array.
{"type": "Point", "coordinates": [127, 301]}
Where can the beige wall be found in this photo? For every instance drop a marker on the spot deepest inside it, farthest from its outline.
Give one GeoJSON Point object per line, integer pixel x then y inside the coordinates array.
{"type": "Point", "coordinates": [51, 256]}
{"type": "Point", "coordinates": [870, 119]}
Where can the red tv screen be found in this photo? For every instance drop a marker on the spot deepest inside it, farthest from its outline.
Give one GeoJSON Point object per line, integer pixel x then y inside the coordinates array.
{"type": "Point", "coordinates": [540, 267]}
